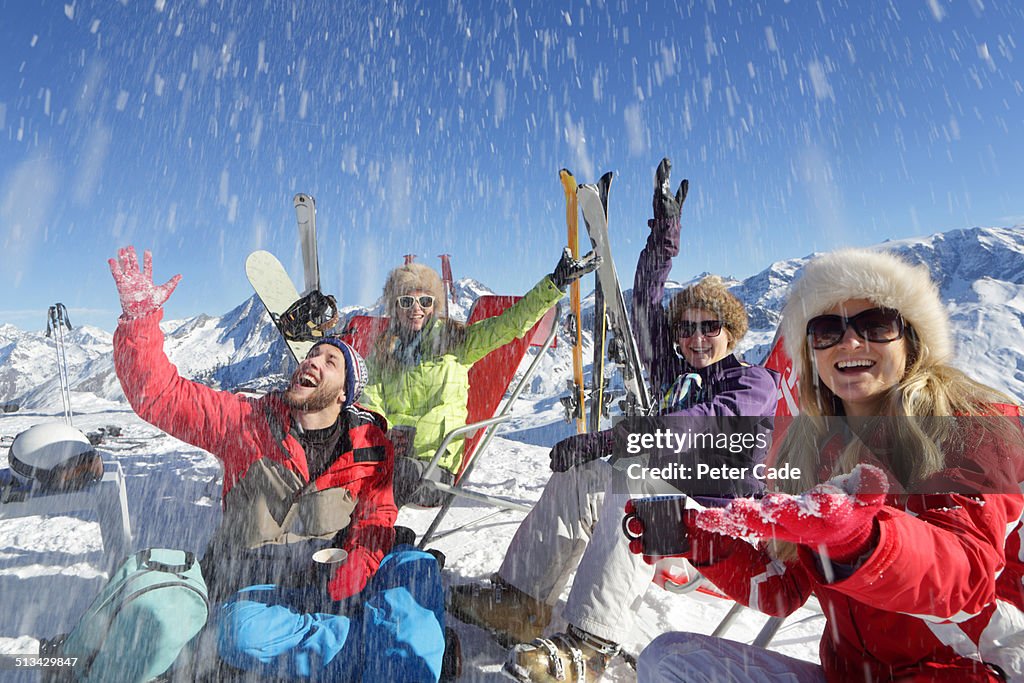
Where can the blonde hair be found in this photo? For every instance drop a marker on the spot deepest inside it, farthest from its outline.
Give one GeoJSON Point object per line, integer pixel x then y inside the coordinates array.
{"type": "Point", "coordinates": [917, 443]}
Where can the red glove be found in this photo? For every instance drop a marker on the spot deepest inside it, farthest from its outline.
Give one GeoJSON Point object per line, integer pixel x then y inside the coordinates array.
{"type": "Point", "coordinates": [836, 518]}
{"type": "Point", "coordinates": [139, 296]}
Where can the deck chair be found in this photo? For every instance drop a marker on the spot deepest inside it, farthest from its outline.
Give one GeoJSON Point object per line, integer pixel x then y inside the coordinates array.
{"type": "Point", "coordinates": [489, 379]}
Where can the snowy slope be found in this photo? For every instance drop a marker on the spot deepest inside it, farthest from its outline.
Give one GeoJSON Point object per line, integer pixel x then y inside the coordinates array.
{"type": "Point", "coordinates": [49, 566]}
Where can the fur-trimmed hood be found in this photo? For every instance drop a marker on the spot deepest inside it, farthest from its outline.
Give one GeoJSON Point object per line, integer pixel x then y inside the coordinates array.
{"type": "Point", "coordinates": [880, 276]}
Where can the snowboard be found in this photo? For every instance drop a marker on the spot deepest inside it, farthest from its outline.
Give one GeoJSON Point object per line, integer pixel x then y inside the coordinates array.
{"type": "Point", "coordinates": [622, 348]}
{"type": "Point", "coordinates": [574, 404]}
{"type": "Point", "coordinates": [277, 292]}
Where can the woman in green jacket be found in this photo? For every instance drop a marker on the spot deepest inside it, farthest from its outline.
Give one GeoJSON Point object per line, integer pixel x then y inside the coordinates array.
{"type": "Point", "coordinates": [419, 366]}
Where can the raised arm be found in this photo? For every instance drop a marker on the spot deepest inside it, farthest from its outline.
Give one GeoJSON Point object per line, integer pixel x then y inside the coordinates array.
{"type": "Point", "coordinates": [186, 410]}
{"type": "Point", "coordinates": [649, 321]}
{"type": "Point", "coordinates": [488, 334]}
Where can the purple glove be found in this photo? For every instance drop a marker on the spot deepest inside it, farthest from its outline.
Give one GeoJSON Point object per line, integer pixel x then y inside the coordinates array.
{"type": "Point", "coordinates": [139, 296]}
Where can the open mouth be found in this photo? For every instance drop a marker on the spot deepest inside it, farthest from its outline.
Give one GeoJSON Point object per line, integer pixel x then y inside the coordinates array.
{"type": "Point", "coordinates": [861, 365]}
{"type": "Point", "coordinates": [307, 380]}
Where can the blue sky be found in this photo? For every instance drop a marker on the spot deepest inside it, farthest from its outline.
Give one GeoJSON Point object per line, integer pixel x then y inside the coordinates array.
{"type": "Point", "coordinates": [440, 127]}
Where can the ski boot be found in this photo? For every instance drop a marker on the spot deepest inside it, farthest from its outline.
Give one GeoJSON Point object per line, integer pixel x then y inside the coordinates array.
{"type": "Point", "coordinates": [575, 656]}
{"type": "Point", "coordinates": [508, 613]}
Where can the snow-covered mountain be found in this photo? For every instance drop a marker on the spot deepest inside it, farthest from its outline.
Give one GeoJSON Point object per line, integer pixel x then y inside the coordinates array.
{"type": "Point", "coordinates": [980, 272]}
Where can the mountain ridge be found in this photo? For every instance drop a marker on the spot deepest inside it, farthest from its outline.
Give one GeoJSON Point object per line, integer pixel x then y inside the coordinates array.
{"type": "Point", "coordinates": [980, 272]}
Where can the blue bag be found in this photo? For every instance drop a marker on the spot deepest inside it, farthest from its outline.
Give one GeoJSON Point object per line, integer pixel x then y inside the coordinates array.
{"type": "Point", "coordinates": [154, 604]}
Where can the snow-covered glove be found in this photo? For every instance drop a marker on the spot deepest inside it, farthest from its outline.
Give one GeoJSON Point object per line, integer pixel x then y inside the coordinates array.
{"type": "Point", "coordinates": [139, 296]}
{"type": "Point", "coordinates": [569, 269]}
{"type": "Point", "coordinates": [580, 448]}
{"type": "Point", "coordinates": [836, 518]}
{"type": "Point", "coordinates": [667, 205]}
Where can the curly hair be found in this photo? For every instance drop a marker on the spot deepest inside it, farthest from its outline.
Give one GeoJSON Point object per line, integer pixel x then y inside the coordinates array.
{"type": "Point", "coordinates": [712, 295]}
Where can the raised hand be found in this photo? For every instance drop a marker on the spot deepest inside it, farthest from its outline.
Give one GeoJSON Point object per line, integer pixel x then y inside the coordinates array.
{"type": "Point", "coordinates": [139, 296]}
{"type": "Point", "coordinates": [568, 269]}
{"type": "Point", "coordinates": [667, 205]}
{"type": "Point", "coordinates": [835, 518]}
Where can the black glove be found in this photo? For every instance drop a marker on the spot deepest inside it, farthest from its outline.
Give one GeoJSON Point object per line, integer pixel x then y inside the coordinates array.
{"type": "Point", "coordinates": [579, 449]}
{"type": "Point", "coordinates": [665, 205]}
{"type": "Point", "coordinates": [569, 269]}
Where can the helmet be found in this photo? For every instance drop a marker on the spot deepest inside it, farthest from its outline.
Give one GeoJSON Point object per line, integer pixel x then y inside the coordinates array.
{"type": "Point", "coordinates": [56, 455]}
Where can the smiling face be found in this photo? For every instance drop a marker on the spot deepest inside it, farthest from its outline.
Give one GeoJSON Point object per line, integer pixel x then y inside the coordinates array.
{"type": "Point", "coordinates": [859, 372]}
{"type": "Point", "coordinates": [700, 350]}
{"type": "Point", "coordinates": [414, 318]}
{"type": "Point", "coordinates": [319, 381]}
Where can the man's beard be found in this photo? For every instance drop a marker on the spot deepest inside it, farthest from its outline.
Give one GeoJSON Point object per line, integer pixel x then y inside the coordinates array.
{"type": "Point", "coordinates": [322, 397]}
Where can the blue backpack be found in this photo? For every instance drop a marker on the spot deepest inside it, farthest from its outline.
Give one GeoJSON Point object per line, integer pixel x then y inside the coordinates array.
{"type": "Point", "coordinates": [154, 604]}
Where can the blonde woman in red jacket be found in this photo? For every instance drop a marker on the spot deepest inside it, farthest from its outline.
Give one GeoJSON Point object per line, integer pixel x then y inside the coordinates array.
{"type": "Point", "coordinates": [913, 542]}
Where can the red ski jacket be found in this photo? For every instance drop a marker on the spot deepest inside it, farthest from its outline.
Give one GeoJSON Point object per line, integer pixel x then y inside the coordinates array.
{"type": "Point", "coordinates": [239, 431]}
{"type": "Point", "coordinates": [940, 598]}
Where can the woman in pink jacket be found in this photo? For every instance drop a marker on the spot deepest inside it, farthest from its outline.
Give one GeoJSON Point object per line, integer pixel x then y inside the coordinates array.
{"type": "Point", "coordinates": [902, 508]}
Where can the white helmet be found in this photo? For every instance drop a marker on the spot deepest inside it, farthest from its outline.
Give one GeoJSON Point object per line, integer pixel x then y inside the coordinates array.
{"type": "Point", "coordinates": [56, 455]}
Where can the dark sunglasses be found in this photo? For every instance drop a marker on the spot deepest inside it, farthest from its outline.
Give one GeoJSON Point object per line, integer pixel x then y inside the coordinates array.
{"type": "Point", "coordinates": [425, 301]}
{"type": "Point", "coordinates": [708, 328]}
{"type": "Point", "coordinates": [875, 325]}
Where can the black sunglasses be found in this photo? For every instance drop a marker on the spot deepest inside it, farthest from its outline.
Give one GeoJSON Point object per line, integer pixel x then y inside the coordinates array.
{"type": "Point", "coordinates": [875, 325]}
{"type": "Point", "coordinates": [425, 301]}
{"type": "Point", "coordinates": [708, 328]}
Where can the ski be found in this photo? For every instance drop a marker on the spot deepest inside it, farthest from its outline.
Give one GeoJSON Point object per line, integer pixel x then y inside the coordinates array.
{"type": "Point", "coordinates": [622, 349]}
{"type": "Point", "coordinates": [599, 397]}
{"type": "Point", "coordinates": [575, 403]}
{"type": "Point", "coordinates": [305, 217]}
{"type": "Point", "coordinates": [301, 320]}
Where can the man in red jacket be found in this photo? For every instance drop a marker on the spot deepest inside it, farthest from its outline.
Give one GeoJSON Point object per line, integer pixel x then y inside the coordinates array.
{"type": "Point", "coordinates": [307, 477]}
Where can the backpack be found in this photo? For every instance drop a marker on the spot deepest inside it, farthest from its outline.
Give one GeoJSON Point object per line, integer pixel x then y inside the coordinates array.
{"type": "Point", "coordinates": [153, 605]}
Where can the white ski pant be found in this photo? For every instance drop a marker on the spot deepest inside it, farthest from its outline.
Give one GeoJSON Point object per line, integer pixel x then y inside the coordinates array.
{"type": "Point", "coordinates": [694, 658]}
{"type": "Point", "coordinates": [578, 523]}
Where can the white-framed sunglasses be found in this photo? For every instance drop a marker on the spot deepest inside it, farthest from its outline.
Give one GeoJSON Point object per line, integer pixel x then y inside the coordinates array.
{"type": "Point", "coordinates": [424, 300]}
